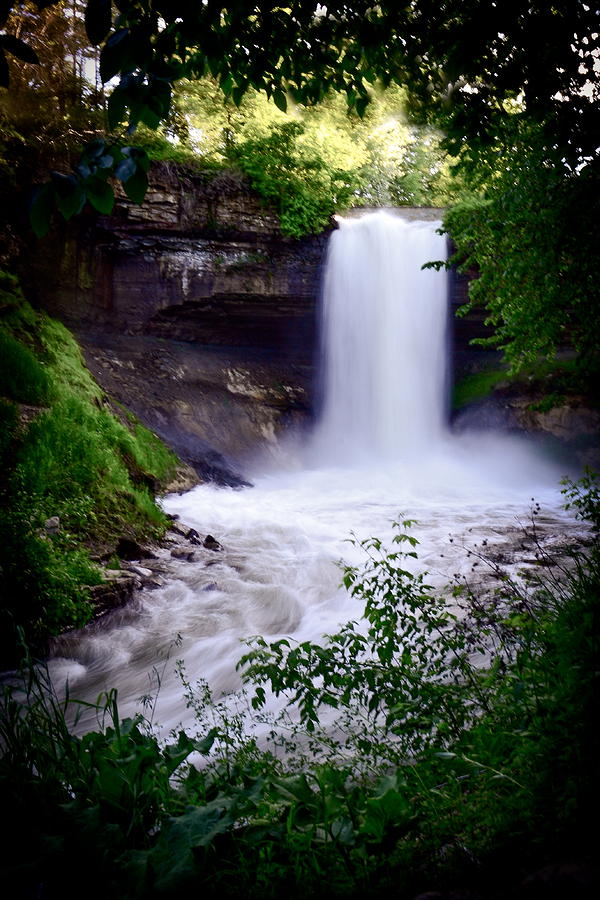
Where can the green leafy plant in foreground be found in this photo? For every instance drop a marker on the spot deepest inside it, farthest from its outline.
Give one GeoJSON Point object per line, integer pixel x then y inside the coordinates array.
{"type": "Point", "coordinates": [497, 780]}
{"type": "Point", "coordinates": [412, 680]}
{"type": "Point", "coordinates": [398, 683]}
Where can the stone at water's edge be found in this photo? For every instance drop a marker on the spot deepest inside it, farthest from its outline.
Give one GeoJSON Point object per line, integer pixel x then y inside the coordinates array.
{"type": "Point", "coordinates": [570, 429]}
{"type": "Point", "coordinates": [184, 479]}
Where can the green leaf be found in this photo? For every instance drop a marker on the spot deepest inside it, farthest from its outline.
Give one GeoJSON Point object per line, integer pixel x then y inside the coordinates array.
{"type": "Point", "coordinates": [135, 112]}
{"type": "Point", "coordinates": [41, 209]}
{"type": "Point", "coordinates": [116, 108]}
{"type": "Point", "coordinates": [280, 100]}
{"type": "Point", "coordinates": [70, 194]}
{"type": "Point", "coordinates": [172, 859]}
{"type": "Point", "coordinates": [158, 97]}
{"type": "Point", "coordinates": [237, 94]}
{"type": "Point", "coordinates": [227, 83]}
{"type": "Point", "coordinates": [83, 170]}
{"type": "Point", "coordinates": [206, 743]}
{"type": "Point", "coordinates": [98, 20]}
{"type": "Point", "coordinates": [94, 150]}
{"type": "Point", "coordinates": [126, 169]}
{"type": "Point", "coordinates": [100, 195]}
{"type": "Point", "coordinates": [342, 830]}
{"type": "Point", "coordinates": [148, 116]}
{"type": "Point", "coordinates": [141, 157]}
{"type": "Point", "coordinates": [136, 185]}
{"type": "Point", "coordinates": [114, 55]}
{"type": "Point", "coordinates": [18, 48]}
{"type": "Point", "coordinates": [201, 824]}
{"type": "Point", "coordinates": [361, 105]}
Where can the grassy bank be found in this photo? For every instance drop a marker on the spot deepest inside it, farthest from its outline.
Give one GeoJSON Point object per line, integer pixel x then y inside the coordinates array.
{"type": "Point", "coordinates": [551, 382]}
{"type": "Point", "coordinates": [65, 452]}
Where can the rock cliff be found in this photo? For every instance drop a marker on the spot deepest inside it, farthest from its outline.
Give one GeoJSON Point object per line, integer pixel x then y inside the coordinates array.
{"type": "Point", "coordinates": [567, 427]}
{"type": "Point", "coordinates": [196, 314]}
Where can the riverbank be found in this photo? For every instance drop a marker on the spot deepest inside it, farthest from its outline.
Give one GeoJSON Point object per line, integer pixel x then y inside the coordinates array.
{"type": "Point", "coordinates": [78, 473]}
{"type": "Point", "coordinates": [496, 802]}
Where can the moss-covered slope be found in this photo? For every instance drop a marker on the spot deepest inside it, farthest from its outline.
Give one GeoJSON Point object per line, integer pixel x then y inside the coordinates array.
{"type": "Point", "coordinates": [65, 451]}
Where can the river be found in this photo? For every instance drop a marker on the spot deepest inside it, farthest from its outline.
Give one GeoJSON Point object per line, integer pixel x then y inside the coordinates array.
{"type": "Point", "coordinates": [381, 452]}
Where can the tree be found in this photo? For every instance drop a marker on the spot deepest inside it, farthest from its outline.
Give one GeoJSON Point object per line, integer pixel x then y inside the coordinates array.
{"type": "Point", "coordinates": [54, 100]}
{"type": "Point", "coordinates": [469, 64]}
{"type": "Point", "coordinates": [512, 85]}
{"type": "Point", "coordinates": [462, 59]}
{"type": "Point", "coordinates": [315, 161]}
{"type": "Point", "coordinates": [533, 233]}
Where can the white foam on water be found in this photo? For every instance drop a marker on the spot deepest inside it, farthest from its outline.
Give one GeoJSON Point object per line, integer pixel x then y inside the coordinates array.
{"type": "Point", "coordinates": [380, 452]}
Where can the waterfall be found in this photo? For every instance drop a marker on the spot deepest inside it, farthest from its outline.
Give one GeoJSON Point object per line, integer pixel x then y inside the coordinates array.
{"type": "Point", "coordinates": [383, 417]}
{"type": "Point", "coordinates": [384, 340]}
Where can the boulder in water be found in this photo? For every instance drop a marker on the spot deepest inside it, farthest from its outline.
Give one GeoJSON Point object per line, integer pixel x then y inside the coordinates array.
{"type": "Point", "coordinates": [193, 537]}
{"type": "Point", "coordinates": [127, 548]}
{"type": "Point", "coordinates": [183, 553]}
{"type": "Point", "coordinates": [211, 543]}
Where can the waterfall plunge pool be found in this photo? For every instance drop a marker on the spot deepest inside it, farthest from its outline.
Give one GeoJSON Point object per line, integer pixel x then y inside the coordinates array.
{"type": "Point", "coordinates": [380, 452]}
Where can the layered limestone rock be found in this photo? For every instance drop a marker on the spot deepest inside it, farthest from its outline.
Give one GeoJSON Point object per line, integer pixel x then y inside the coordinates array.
{"type": "Point", "coordinates": [199, 316]}
{"type": "Point", "coordinates": [195, 313]}
{"type": "Point", "coordinates": [568, 427]}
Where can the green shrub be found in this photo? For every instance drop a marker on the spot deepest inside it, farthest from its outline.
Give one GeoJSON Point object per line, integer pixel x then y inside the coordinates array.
{"type": "Point", "coordinates": [536, 260]}
{"type": "Point", "coordinates": [292, 175]}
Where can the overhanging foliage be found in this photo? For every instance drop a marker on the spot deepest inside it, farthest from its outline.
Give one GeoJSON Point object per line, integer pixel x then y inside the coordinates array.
{"type": "Point", "coordinates": [468, 64]}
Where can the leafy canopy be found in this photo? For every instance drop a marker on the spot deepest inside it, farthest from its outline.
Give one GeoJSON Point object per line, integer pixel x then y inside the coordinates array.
{"type": "Point", "coordinates": [313, 161]}
{"type": "Point", "coordinates": [464, 58]}
{"type": "Point", "coordinates": [468, 64]}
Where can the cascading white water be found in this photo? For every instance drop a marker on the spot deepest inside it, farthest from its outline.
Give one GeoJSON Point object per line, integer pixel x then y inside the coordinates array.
{"type": "Point", "coordinates": [379, 451]}
{"type": "Point", "coordinates": [384, 339]}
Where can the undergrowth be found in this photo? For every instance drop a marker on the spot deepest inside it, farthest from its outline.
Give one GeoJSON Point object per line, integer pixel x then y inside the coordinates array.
{"type": "Point", "coordinates": [436, 774]}
{"type": "Point", "coordinates": [64, 454]}
{"type": "Point", "coordinates": [476, 386]}
{"type": "Point", "coordinates": [554, 381]}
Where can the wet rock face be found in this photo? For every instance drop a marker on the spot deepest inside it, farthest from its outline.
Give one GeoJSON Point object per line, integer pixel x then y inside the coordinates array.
{"type": "Point", "coordinates": [258, 293]}
{"type": "Point", "coordinates": [213, 405]}
{"type": "Point", "coordinates": [195, 313]}
{"type": "Point", "coordinates": [569, 430]}
{"type": "Point", "coordinates": [199, 261]}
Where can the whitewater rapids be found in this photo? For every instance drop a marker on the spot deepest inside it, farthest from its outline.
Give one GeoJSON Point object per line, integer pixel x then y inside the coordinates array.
{"type": "Point", "coordinates": [381, 452]}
